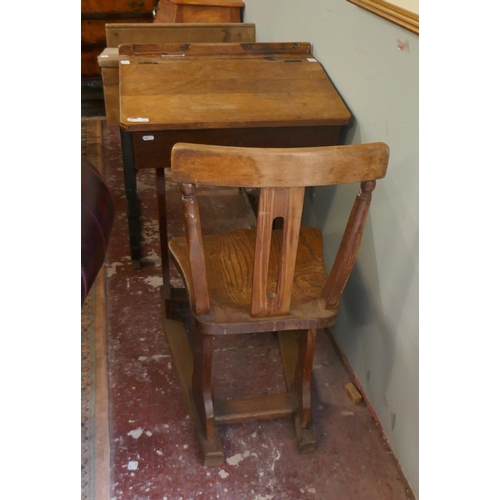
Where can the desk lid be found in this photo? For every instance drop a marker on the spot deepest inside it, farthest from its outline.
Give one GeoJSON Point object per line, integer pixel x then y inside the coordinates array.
{"type": "Point", "coordinates": [241, 86]}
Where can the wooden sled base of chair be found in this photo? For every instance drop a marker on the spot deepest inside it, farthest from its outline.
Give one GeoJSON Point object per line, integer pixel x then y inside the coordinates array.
{"type": "Point", "coordinates": [244, 409]}
{"type": "Point", "coordinates": [183, 363]}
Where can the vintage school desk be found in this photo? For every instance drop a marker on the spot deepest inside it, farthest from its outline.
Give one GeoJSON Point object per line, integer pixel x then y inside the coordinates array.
{"type": "Point", "coordinates": [120, 33]}
{"type": "Point", "coordinates": [235, 94]}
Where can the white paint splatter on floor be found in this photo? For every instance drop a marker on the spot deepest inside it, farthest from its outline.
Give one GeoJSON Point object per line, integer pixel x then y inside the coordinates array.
{"type": "Point", "coordinates": [236, 459]}
{"type": "Point", "coordinates": [142, 186]}
{"type": "Point", "coordinates": [152, 257]}
{"type": "Point", "coordinates": [223, 474]}
{"type": "Point", "coordinates": [276, 457]}
{"type": "Point", "coordinates": [154, 281]}
{"type": "Point", "coordinates": [136, 433]}
{"type": "Point", "coordinates": [155, 357]}
{"type": "Point", "coordinates": [111, 268]}
{"type": "Point", "coordinates": [308, 490]}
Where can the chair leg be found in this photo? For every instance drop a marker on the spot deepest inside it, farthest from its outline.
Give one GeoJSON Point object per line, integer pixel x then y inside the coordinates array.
{"type": "Point", "coordinates": [202, 383]}
{"type": "Point", "coordinates": [304, 427]}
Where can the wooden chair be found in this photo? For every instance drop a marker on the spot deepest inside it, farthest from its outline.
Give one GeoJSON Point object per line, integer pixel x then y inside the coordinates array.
{"type": "Point", "coordinates": [265, 280]}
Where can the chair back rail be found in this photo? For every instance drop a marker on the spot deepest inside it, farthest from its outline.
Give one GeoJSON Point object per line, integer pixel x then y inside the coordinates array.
{"type": "Point", "coordinates": [275, 167]}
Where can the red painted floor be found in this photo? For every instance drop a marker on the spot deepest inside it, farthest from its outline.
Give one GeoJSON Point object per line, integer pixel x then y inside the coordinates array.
{"type": "Point", "coordinates": [154, 453]}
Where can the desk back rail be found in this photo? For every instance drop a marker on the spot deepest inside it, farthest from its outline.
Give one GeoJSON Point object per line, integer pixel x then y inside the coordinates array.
{"type": "Point", "coordinates": [216, 49]}
{"type": "Point", "coordinates": [133, 33]}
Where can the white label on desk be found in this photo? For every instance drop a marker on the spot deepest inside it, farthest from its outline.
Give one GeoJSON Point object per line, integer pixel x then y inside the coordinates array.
{"type": "Point", "coordinates": [148, 137]}
{"type": "Point", "coordinates": [138, 120]}
{"type": "Point", "coordinates": [311, 59]}
{"type": "Point", "coordinates": [104, 55]}
{"type": "Point", "coordinates": [125, 61]}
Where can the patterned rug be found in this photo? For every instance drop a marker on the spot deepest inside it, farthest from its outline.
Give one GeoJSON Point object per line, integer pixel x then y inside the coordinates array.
{"type": "Point", "coordinates": [94, 425]}
{"type": "Point", "coordinates": [88, 395]}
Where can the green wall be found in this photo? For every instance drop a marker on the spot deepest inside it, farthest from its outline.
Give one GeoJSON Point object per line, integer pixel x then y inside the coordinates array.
{"type": "Point", "coordinates": [378, 322]}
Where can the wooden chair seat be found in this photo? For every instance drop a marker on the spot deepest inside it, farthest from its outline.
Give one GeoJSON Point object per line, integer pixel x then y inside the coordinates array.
{"type": "Point", "coordinates": [229, 266]}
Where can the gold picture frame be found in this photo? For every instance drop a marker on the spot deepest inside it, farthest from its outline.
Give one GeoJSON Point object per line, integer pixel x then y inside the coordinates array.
{"type": "Point", "coordinates": [391, 12]}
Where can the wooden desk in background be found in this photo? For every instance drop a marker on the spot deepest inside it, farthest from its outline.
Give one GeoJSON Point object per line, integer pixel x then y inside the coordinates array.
{"type": "Point", "coordinates": [234, 94]}
{"type": "Point", "coordinates": [136, 33]}
{"type": "Point", "coordinates": [96, 14]}
{"type": "Point", "coordinates": [200, 11]}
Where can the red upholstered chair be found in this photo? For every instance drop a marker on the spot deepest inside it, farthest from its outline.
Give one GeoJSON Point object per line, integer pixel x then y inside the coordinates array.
{"type": "Point", "coordinates": [97, 213]}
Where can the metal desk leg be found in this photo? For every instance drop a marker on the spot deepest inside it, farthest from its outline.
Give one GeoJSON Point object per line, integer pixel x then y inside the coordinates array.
{"type": "Point", "coordinates": [133, 209]}
{"type": "Point", "coordinates": [169, 294]}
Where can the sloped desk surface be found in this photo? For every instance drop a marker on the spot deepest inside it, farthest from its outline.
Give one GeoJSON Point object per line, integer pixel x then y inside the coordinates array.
{"type": "Point", "coordinates": [154, 33]}
{"type": "Point", "coordinates": [207, 86]}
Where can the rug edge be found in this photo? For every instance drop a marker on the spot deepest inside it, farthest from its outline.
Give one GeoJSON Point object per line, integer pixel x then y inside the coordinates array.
{"type": "Point", "coordinates": [101, 468]}
{"type": "Point", "coordinates": [102, 474]}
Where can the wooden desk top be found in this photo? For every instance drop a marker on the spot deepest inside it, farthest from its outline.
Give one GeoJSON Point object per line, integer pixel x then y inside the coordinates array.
{"type": "Point", "coordinates": [209, 86]}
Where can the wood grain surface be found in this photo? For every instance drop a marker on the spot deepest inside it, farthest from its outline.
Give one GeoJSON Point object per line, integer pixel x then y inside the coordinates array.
{"type": "Point", "coordinates": [257, 86]}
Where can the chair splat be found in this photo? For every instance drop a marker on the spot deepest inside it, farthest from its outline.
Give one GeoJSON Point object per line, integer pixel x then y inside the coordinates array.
{"type": "Point", "coordinates": [271, 295]}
